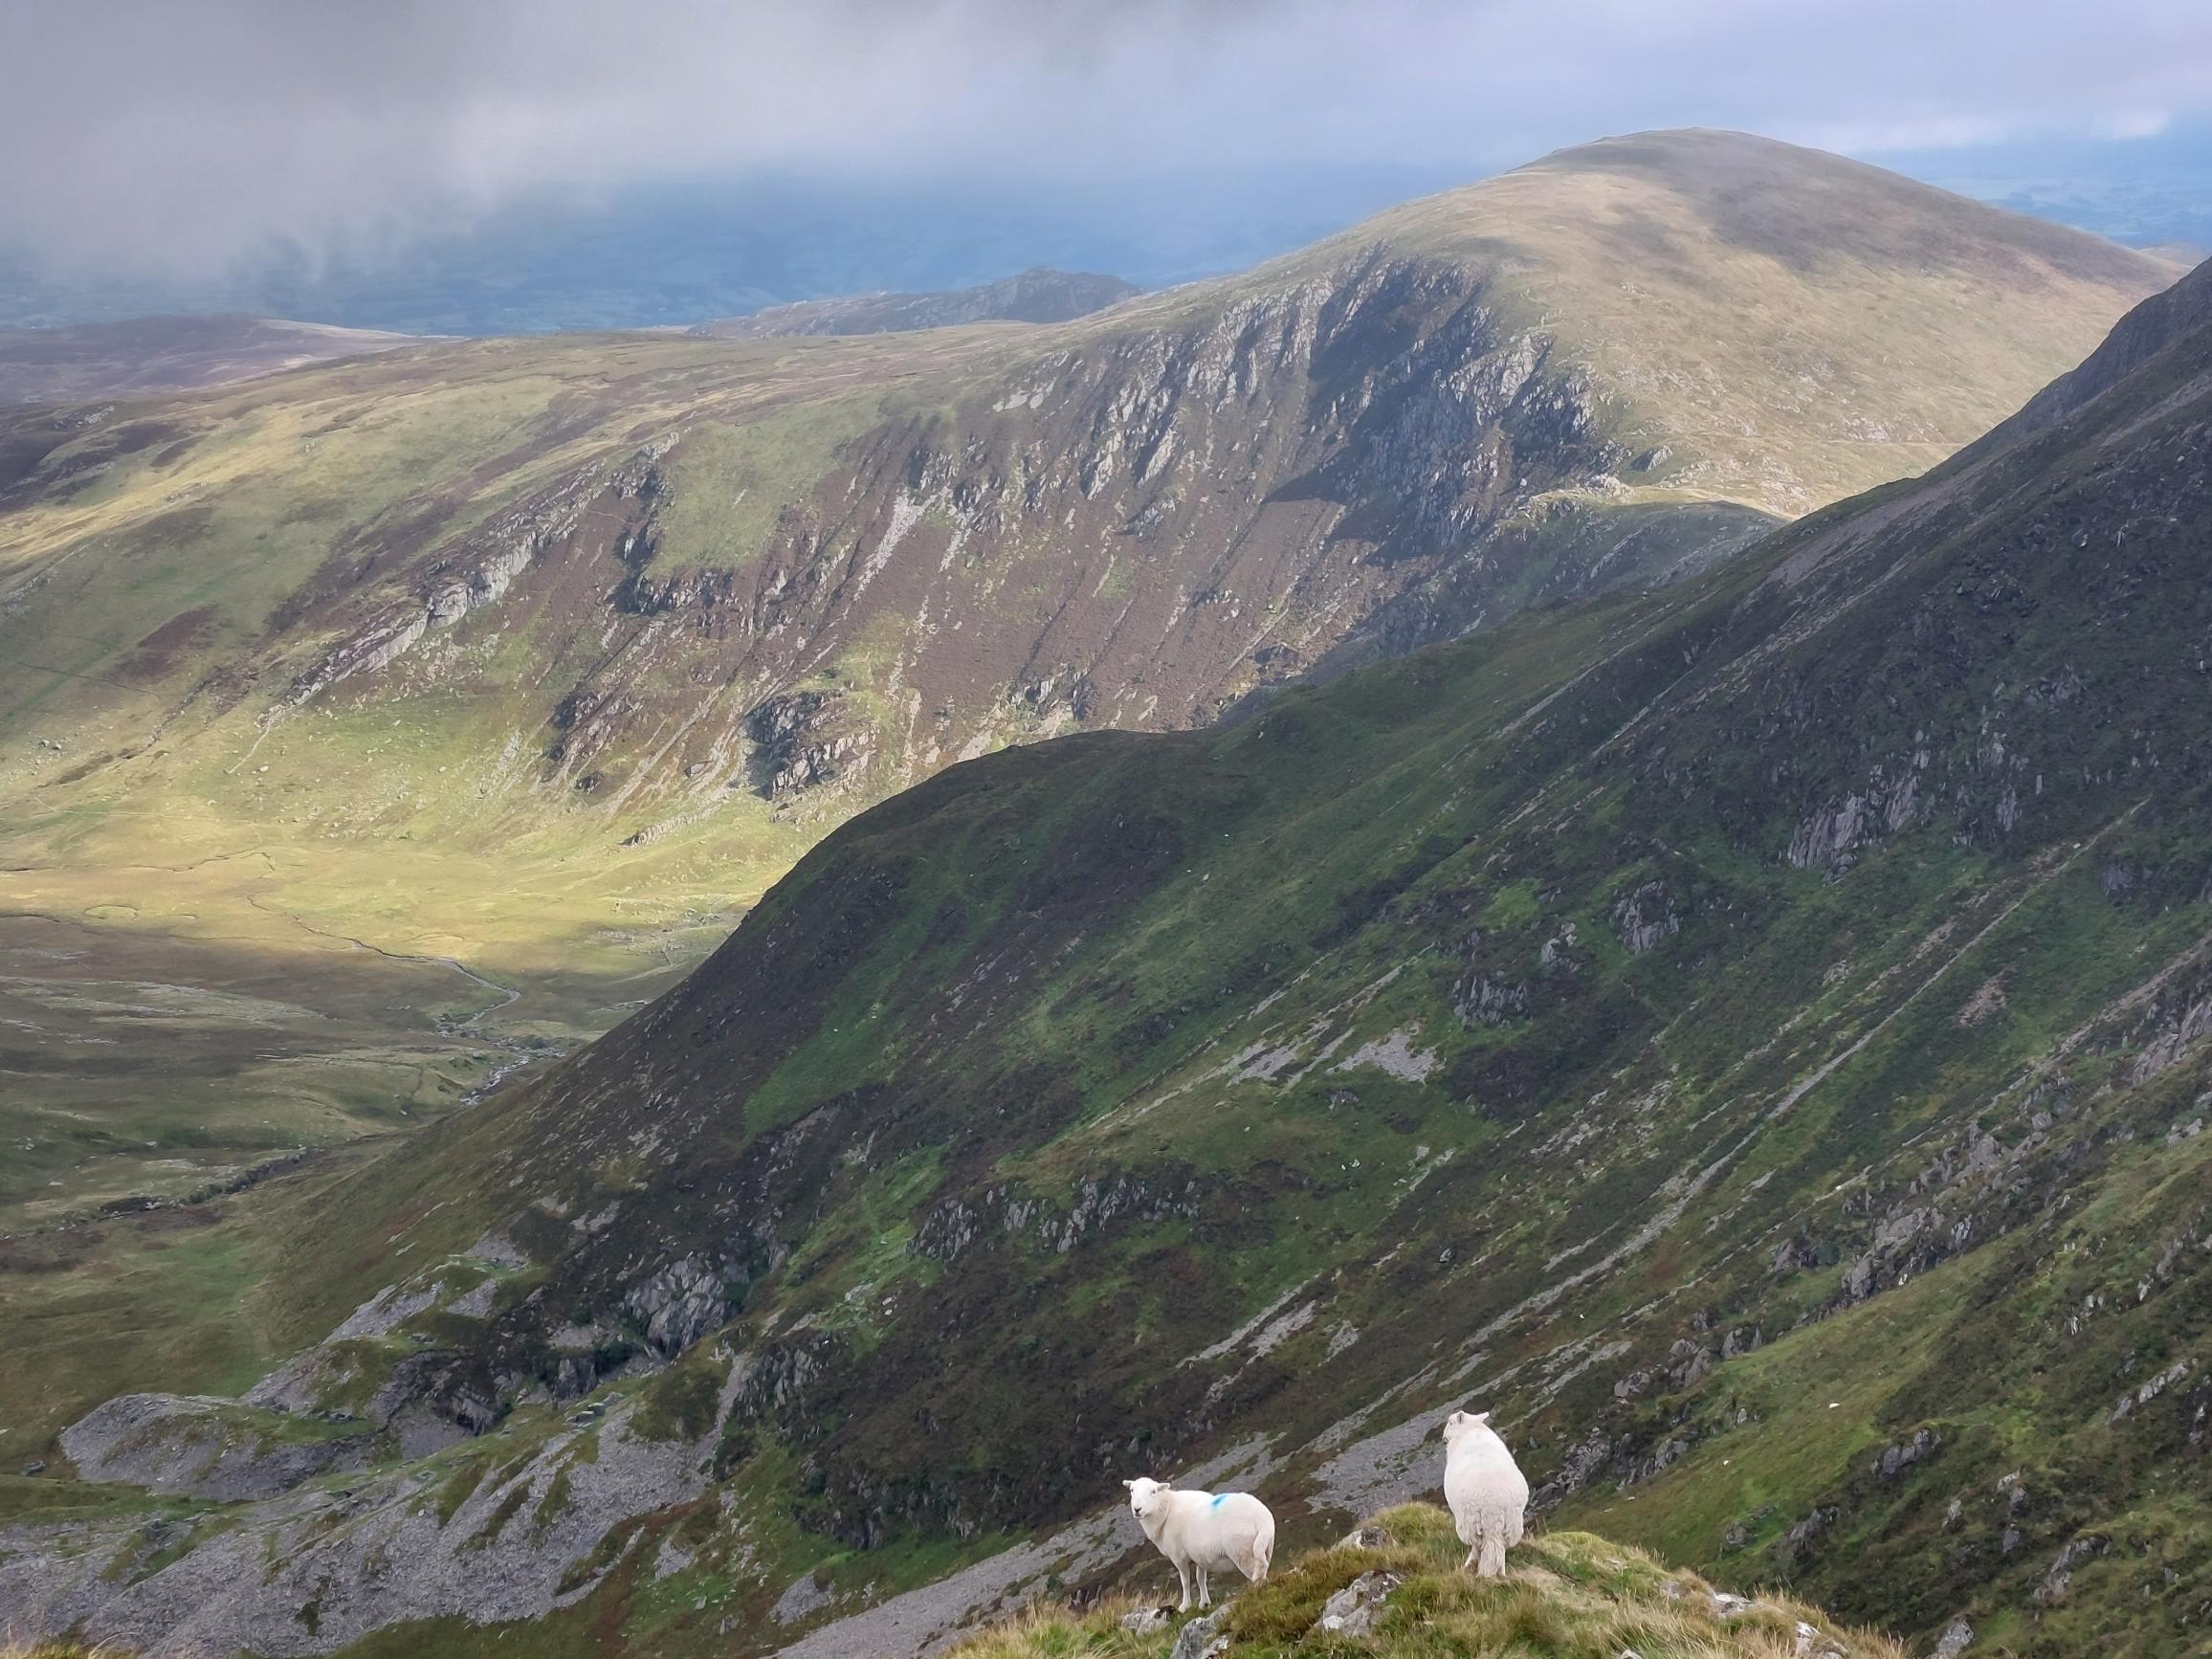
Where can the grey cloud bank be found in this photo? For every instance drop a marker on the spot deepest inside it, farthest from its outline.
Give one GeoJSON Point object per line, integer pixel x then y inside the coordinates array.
{"type": "Point", "coordinates": [195, 132]}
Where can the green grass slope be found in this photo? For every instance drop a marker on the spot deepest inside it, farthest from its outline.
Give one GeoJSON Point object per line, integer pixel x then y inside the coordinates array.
{"type": "Point", "coordinates": [1747, 1035]}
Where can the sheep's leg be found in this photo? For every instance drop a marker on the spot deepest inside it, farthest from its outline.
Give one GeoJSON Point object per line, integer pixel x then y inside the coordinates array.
{"type": "Point", "coordinates": [1468, 1565]}
{"type": "Point", "coordinates": [1205, 1590]}
{"type": "Point", "coordinates": [1182, 1574]}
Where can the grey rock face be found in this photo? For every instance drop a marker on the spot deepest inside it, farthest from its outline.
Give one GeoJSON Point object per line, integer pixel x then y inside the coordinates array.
{"type": "Point", "coordinates": [477, 575]}
{"type": "Point", "coordinates": [1896, 1459]}
{"type": "Point", "coordinates": [516, 1548]}
{"type": "Point", "coordinates": [2172, 1041]}
{"type": "Point", "coordinates": [1484, 998]}
{"type": "Point", "coordinates": [1799, 1538]}
{"type": "Point", "coordinates": [203, 1447]}
{"type": "Point", "coordinates": [1148, 1621]}
{"type": "Point", "coordinates": [1646, 918]}
{"type": "Point", "coordinates": [679, 1304]}
{"type": "Point", "coordinates": [955, 1226]}
{"type": "Point", "coordinates": [2057, 1581]}
{"type": "Point", "coordinates": [803, 1599]}
{"type": "Point", "coordinates": [1352, 1611]}
{"type": "Point", "coordinates": [800, 740]}
{"type": "Point", "coordinates": [1829, 835]}
{"type": "Point", "coordinates": [1202, 1638]}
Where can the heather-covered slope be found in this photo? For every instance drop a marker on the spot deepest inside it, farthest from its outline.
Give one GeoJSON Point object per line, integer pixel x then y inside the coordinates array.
{"type": "Point", "coordinates": [531, 663]}
{"type": "Point", "coordinates": [1747, 1035]}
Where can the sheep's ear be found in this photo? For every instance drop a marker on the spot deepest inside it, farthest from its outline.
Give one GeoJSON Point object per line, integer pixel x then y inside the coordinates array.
{"type": "Point", "coordinates": [1130, 1485]}
{"type": "Point", "coordinates": [1481, 1417]}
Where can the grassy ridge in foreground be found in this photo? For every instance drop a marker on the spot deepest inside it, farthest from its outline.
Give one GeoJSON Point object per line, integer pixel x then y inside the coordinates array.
{"type": "Point", "coordinates": [1568, 1595]}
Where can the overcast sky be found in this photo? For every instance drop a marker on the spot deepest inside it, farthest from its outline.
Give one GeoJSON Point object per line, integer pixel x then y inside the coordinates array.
{"type": "Point", "coordinates": [190, 132]}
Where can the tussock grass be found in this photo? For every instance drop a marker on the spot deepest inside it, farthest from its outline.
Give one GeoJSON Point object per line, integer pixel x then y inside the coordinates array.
{"type": "Point", "coordinates": [1047, 1631]}
{"type": "Point", "coordinates": [1568, 1596]}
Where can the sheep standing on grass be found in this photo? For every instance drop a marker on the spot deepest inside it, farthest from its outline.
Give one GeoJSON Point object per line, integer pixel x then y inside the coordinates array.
{"type": "Point", "coordinates": [1488, 1494]}
{"type": "Point", "coordinates": [1202, 1532]}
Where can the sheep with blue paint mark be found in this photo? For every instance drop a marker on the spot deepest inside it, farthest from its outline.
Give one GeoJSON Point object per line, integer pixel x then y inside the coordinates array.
{"type": "Point", "coordinates": [1204, 1532]}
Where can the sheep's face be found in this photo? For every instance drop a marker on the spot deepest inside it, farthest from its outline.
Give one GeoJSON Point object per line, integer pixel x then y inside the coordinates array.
{"type": "Point", "coordinates": [1462, 1424]}
{"type": "Point", "coordinates": [1146, 1498]}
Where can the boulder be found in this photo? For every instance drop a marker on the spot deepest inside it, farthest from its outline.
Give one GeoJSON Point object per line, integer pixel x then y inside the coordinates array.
{"type": "Point", "coordinates": [1202, 1638]}
{"type": "Point", "coordinates": [1352, 1610]}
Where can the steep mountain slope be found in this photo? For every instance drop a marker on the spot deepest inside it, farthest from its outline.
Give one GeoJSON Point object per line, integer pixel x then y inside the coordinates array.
{"type": "Point", "coordinates": [544, 657]}
{"type": "Point", "coordinates": [1747, 1035]}
{"type": "Point", "coordinates": [152, 355]}
{"type": "Point", "coordinates": [1037, 296]}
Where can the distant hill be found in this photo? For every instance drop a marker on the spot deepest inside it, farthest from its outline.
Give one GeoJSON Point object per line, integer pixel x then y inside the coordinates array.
{"type": "Point", "coordinates": [152, 355]}
{"type": "Point", "coordinates": [1037, 296]}
{"type": "Point", "coordinates": [2181, 255]}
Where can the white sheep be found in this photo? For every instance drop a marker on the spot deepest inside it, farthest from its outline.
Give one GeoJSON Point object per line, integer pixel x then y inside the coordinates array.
{"type": "Point", "coordinates": [1202, 1532]}
{"type": "Point", "coordinates": [1488, 1494]}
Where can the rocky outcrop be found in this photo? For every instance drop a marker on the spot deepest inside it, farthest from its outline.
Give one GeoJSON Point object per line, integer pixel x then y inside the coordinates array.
{"type": "Point", "coordinates": [1483, 1001]}
{"type": "Point", "coordinates": [957, 1225]}
{"type": "Point", "coordinates": [1203, 1637]}
{"type": "Point", "coordinates": [316, 1569]}
{"type": "Point", "coordinates": [801, 741]}
{"type": "Point", "coordinates": [2172, 1038]}
{"type": "Point", "coordinates": [1352, 1611]}
{"type": "Point", "coordinates": [217, 1449]}
{"type": "Point", "coordinates": [1486, 995]}
{"type": "Point", "coordinates": [679, 1304]}
{"type": "Point", "coordinates": [2059, 1577]}
{"type": "Point", "coordinates": [1896, 1460]}
{"type": "Point", "coordinates": [1646, 918]}
{"type": "Point", "coordinates": [476, 574]}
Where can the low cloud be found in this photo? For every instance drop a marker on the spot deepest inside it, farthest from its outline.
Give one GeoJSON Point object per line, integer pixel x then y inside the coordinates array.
{"type": "Point", "coordinates": [192, 133]}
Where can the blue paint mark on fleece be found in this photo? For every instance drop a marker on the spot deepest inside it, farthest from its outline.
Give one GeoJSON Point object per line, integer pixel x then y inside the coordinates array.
{"type": "Point", "coordinates": [1217, 1497]}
